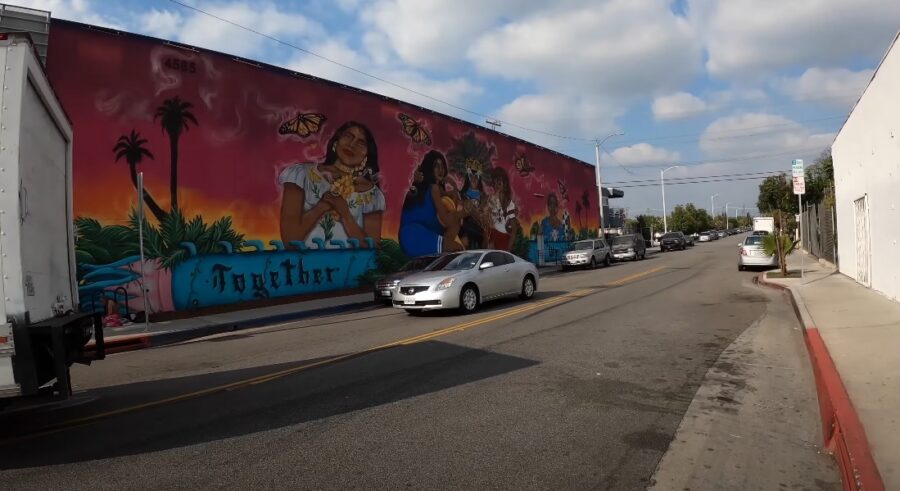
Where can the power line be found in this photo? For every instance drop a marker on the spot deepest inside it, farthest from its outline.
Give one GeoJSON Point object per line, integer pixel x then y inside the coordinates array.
{"type": "Point", "coordinates": [746, 158]}
{"type": "Point", "coordinates": [675, 179]}
{"type": "Point", "coordinates": [694, 182]}
{"type": "Point", "coordinates": [376, 77]}
{"type": "Point", "coordinates": [441, 101]}
{"type": "Point", "coordinates": [715, 132]}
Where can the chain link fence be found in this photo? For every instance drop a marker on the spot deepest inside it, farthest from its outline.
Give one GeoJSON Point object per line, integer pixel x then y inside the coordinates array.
{"type": "Point", "coordinates": [821, 232]}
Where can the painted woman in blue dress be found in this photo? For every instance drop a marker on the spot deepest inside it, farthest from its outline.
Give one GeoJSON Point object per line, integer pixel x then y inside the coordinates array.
{"type": "Point", "coordinates": [431, 217]}
{"type": "Point", "coordinates": [552, 227]}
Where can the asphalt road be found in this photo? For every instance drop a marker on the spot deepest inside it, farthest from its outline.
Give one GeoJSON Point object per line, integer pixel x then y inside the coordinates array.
{"type": "Point", "coordinates": [583, 387]}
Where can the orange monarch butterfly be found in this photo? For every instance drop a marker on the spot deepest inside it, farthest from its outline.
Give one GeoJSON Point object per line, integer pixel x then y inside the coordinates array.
{"type": "Point", "coordinates": [414, 129]}
{"type": "Point", "coordinates": [303, 125]}
{"type": "Point", "coordinates": [563, 192]}
{"type": "Point", "coordinates": [523, 166]}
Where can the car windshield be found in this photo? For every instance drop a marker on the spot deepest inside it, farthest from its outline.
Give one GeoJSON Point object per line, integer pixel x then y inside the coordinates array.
{"type": "Point", "coordinates": [623, 240]}
{"type": "Point", "coordinates": [418, 263]}
{"type": "Point", "coordinates": [455, 262]}
{"type": "Point", "coordinates": [671, 235]}
{"type": "Point", "coordinates": [584, 245]}
{"type": "Point", "coordinates": [704, 233]}
{"type": "Point", "coordinates": [754, 240]}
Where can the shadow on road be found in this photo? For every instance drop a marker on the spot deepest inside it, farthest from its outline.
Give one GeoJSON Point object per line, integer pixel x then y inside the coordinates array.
{"type": "Point", "coordinates": [375, 379]}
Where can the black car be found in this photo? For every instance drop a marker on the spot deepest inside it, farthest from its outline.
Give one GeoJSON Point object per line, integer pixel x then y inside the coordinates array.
{"type": "Point", "coordinates": [672, 241]}
{"type": "Point", "coordinates": [629, 247]}
{"type": "Point", "coordinates": [385, 287]}
{"type": "Point", "coordinates": [688, 239]}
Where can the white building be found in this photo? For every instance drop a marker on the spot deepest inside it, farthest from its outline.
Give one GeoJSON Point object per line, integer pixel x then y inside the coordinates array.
{"type": "Point", "coordinates": [866, 156]}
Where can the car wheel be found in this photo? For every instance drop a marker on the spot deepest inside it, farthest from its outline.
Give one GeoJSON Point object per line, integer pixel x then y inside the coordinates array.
{"type": "Point", "coordinates": [527, 288]}
{"type": "Point", "coordinates": [593, 264]}
{"type": "Point", "coordinates": [607, 261]}
{"type": "Point", "coordinates": [740, 267]}
{"type": "Point", "coordinates": [468, 299]}
{"type": "Point", "coordinates": [644, 254]}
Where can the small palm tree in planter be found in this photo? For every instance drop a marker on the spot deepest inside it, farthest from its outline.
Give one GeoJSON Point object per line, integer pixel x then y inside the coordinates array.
{"type": "Point", "coordinates": [779, 243]}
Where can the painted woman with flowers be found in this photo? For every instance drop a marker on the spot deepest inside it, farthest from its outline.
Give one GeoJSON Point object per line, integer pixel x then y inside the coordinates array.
{"type": "Point", "coordinates": [338, 198]}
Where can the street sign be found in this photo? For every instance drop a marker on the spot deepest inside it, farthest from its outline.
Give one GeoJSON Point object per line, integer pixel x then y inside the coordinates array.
{"type": "Point", "coordinates": [797, 167]}
{"type": "Point", "coordinates": [799, 184]}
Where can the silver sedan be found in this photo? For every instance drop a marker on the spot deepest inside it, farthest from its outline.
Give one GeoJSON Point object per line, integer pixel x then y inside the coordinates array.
{"type": "Point", "coordinates": [465, 280]}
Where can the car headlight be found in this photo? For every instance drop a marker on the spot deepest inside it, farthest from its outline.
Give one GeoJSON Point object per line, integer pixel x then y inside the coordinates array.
{"type": "Point", "coordinates": [395, 283]}
{"type": "Point", "coordinates": [445, 283]}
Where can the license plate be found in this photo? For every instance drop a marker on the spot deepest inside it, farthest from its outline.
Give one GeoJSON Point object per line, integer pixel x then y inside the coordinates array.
{"type": "Point", "coordinates": [409, 301]}
{"type": "Point", "coordinates": [385, 293]}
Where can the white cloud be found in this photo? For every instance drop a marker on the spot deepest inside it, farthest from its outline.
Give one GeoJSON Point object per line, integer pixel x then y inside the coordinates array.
{"type": "Point", "coordinates": [164, 24]}
{"type": "Point", "coordinates": [456, 91]}
{"type": "Point", "coordinates": [678, 105]}
{"type": "Point", "coordinates": [559, 113]}
{"type": "Point", "coordinates": [77, 10]}
{"type": "Point", "coordinates": [436, 33]}
{"type": "Point", "coordinates": [753, 38]}
{"type": "Point", "coordinates": [619, 48]}
{"type": "Point", "coordinates": [755, 134]}
{"type": "Point", "coordinates": [644, 155]}
{"type": "Point", "coordinates": [838, 86]}
{"type": "Point", "coordinates": [201, 30]}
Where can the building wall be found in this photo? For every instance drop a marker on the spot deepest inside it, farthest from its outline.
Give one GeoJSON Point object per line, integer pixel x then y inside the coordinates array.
{"type": "Point", "coordinates": [867, 163]}
{"type": "Point", "coordinates": [286, 185]}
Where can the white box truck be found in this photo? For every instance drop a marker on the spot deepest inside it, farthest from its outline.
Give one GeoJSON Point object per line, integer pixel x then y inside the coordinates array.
{"type": "Point", "coordinates": [41, 331]}
{"type": "Point", "coordinates": [766, 224]}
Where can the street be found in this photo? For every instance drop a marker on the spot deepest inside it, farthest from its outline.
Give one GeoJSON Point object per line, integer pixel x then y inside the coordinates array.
{"type": "Point", "coordinates": [583, 387]}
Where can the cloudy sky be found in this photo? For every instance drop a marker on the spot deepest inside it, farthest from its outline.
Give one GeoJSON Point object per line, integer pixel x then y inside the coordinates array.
{"type": "Point", "coordinates": [723, 88]}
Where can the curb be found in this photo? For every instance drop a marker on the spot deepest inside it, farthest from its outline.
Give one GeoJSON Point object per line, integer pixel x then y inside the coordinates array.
{"type": "Point", "coordinates": [842, 430]}
{"type": "Point", "coordinates": [132, 342]}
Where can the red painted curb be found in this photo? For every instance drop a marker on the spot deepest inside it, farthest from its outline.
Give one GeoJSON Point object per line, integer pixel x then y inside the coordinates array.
{"type": "Point", "coordinates": [842, 430]}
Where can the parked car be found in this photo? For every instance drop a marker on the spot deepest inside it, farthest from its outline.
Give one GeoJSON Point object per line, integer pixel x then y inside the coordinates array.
{"type": "Point", "coordinates": [385, 287]}
{"type": "Point", "coordinates": [722, 234]}
{"type": "Point", "coordinates": [689, 240]}
{"type": "Point", "coordinates": [752, 254]}
{"type": "Point", "coordinates": [464, 280]}
{"type": "Point", "coordinates": [587, 254]}
{"type": "Point", "coordinates": [625, 247]}
{"type": "Point", "coordinates": [671, 241]}
{"type": "Point", "coordinates": [705, 237]}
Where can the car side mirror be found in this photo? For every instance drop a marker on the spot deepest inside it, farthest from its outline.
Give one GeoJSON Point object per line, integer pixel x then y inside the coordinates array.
{"type": "Point", "coordinates": [486, 265]}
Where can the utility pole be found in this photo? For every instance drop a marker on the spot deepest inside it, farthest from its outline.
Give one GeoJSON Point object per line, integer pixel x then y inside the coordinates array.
{"type": "Point", "coordinates": [662, 185]}
{"type": "Point", "coordinates": [712, 208]}
{"type": "Point", "coordinates": [598, 144]}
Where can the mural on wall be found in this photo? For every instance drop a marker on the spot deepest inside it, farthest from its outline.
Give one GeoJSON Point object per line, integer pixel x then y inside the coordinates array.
{"type": "Point", "coordinates": [262, 184]}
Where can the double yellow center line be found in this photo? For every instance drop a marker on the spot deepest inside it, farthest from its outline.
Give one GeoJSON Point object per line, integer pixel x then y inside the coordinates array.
{"type": "Point", "coordinates": [86, 420]}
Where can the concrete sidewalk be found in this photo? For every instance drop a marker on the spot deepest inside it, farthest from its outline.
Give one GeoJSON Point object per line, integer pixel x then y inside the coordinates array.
{"type": "Point", "coordinates": [853, 334]}
{"type": "Point", "coordinates": [139, 336]}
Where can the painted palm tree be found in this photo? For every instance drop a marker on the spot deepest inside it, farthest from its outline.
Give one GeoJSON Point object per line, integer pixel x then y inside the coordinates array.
{"type": "Point", "coordinates": [131, 148]}
{"type": "Point", "coordinates": [578, 213]}
{"type": "Point", "coordinates": [174, 115]}
{"type": "Point", "coordinates": [585, 204]}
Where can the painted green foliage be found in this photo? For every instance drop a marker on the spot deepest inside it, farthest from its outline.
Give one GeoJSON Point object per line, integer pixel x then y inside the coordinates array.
{"type": "Point", "coordinates": [99, 244]}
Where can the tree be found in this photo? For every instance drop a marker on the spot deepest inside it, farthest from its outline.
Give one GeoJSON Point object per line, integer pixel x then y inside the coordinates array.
{"type": "Point", "coordinates": [776, 193]}
{"type": "Point", "coordinates": [819, 179]}
{"type": "Point", "coordinates": [648, 224]}
{"type": "Point", "coordinates": [689, 219]}
{"type": "Point", "coordinates": [174, 116]}
{"type": "Point", "coordinates": [131, 148]}
{"type": "Point", "coordinates": [779, 243]}
{"type": "Point", "coordinates": [776, 198]}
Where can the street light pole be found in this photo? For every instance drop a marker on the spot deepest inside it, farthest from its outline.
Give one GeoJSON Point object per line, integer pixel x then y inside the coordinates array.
{"type": "Point", "coordinates": [712, 208]}
{"type": "Point", "coordinates": [662, 185]}
{"type": "Point", "coordinates": [597, 146]}
{"type": "Point", "coordinates": [726, 214]}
